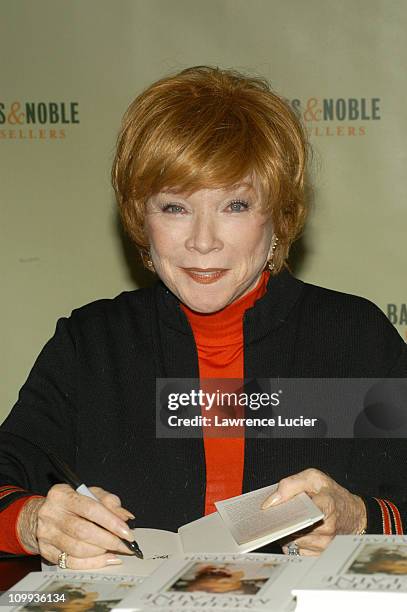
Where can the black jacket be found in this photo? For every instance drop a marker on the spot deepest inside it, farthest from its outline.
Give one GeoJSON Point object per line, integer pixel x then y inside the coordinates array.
{"type": "Point", "coordinates": [91, 398]}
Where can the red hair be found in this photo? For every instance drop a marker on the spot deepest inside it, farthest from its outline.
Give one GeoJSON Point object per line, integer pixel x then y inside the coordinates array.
{"type": "Point", "coordinates": [209, 128]}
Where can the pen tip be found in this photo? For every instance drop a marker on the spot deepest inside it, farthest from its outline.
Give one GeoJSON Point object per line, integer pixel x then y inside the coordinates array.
{"type": "Point", "coordinates": [136, 549]}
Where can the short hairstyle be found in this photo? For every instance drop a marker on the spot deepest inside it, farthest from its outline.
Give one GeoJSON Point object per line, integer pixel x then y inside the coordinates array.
{"type": "Point", "coordinates": [206, 127]}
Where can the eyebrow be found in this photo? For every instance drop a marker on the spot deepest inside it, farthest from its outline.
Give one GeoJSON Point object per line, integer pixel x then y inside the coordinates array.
{"type": "Point", "coordinates": [243, 184]}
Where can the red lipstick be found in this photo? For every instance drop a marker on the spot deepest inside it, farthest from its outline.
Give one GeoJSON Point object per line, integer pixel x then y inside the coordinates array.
{"type": "Point", "coordinates": [205, 276]}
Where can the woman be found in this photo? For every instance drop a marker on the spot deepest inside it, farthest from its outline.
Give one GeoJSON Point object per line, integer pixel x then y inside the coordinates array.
{"type": "Point", "coordinates": [212, 579]}
{"type": "Point", "coordinates": [209, 176]}
{"type": "Point", "coordinates": [383, 561]}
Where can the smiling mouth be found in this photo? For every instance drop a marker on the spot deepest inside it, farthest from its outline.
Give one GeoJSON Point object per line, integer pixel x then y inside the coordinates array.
{"type": "Point", "coordinates": [205, 275]}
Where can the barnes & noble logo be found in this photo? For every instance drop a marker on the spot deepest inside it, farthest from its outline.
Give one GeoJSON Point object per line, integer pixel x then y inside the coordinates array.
{"type": "Point", "coordinates": [337, 116]}
{"type": "Point", "coordinates": [37, 120]}
{"type": "Point", "coordinates": [397, 314]}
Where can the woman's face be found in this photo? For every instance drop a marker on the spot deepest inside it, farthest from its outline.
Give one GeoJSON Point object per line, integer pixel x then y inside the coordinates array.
{"type": "Point", "coordinates": [390, 566]}
{"type": "Point", "coordinates": [209, 247]}
{"type": "Point", "coordinates": [218, 584]}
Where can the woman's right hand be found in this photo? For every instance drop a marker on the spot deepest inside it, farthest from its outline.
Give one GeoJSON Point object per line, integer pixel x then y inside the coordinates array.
{"type": "Point", "coordinates": [86, 530]}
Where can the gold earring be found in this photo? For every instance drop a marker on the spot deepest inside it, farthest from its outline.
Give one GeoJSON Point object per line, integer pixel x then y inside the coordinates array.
{"type": "Point", "coordinates": [270, 262]}
{"type": "Point", "coordinates": [147, 261]}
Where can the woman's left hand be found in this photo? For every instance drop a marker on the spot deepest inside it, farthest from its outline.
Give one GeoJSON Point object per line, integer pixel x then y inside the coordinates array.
{"type": "Point", "coordinates": [344, 512]}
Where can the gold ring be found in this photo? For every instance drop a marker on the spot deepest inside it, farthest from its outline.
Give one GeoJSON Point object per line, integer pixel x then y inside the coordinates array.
{"type": "Point", "coordinates": [62, 557]}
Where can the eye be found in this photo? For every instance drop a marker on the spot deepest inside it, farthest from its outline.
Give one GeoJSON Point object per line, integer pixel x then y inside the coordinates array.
{"type": "Point", "coordinates": [238, 206]}
{"type": "Point", "coordinates": [172, 208]}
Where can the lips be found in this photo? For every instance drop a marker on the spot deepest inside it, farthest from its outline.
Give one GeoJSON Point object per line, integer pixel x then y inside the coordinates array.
{"type": "Point", "coordinates": [205, 276]}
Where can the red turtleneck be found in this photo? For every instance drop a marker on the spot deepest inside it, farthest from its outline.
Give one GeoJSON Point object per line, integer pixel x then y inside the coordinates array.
{"type": "Point", "coordinates": [219, 340]}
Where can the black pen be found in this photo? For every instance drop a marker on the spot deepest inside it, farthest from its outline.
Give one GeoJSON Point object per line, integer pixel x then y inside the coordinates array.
{"type": "Point", "coordinates": [72, 479]}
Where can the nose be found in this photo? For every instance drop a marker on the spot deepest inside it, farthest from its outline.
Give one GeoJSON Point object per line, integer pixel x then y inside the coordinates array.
{"type": "Point", "coordinates": [204, 235]}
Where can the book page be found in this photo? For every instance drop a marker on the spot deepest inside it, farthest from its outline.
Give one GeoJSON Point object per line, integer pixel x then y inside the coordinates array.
{"type": "Point", "coordinates": [156, 544]}
{"type": "Point", "coordinates": [247, 521]}
{"type": "Point", "coordinates": [207, 534]}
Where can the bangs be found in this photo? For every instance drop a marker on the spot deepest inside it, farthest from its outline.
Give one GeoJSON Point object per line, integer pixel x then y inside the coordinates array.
{"type": "Point", "coordinates": [210, 145]}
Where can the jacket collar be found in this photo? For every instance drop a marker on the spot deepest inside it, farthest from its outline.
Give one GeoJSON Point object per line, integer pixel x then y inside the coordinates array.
{"type": "Point", "coordinates": [268, 313]}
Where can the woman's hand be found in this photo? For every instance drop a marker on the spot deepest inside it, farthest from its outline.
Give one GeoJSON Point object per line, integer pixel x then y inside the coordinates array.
{"type": "Point", "coordinates": [344, 512]}
{"type": "Point", "coordinates": [83, 528]}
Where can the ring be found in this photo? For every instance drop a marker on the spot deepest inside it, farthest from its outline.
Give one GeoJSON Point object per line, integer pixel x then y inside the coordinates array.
{"type": "Point", "coordinates": [62, 560]}
{"type": "Point", "coordinates": [293, 549]}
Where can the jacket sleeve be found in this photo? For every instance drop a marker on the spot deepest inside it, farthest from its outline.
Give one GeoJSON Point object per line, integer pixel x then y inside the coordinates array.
{"type": "Point", "coordinates": [42, 419]}
{"type": "Point", "coordinates": [387, 513]}
{"type": "Point", "coordinates": [386, 516]}
{"type": "Point", "coordinates": [9, 515]}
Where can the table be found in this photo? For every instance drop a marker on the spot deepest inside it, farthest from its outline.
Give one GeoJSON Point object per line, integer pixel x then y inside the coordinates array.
{"type": "Point", "coordinates": [13, 569]}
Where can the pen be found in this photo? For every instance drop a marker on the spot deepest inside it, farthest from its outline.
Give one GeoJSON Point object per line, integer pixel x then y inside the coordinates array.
{"type": "Point", "coordinates": [72, 479]}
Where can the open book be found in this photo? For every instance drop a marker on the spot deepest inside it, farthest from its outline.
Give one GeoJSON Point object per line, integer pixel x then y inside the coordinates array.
{"type": "Point", "coordinates": [220, 582]}
{"type": "Point", "coordinates": [367, 572]}
{"type": "Point", "coordinates": [238, 526]}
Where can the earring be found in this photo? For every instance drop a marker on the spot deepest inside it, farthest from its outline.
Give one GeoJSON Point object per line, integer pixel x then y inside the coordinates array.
{"type": "Point", "coordinates": [270, 262]}
{"type": "Point", "coordinates": [150, 265]}
{"type": "Point", "coordinates": [147, 261]}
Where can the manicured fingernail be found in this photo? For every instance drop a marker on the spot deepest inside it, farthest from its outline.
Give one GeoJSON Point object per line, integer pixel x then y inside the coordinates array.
{"type": "Point", "coordinates": [126, 533]}
{"type": "Point", "coordinates": [130, 515]}
{"type": "Point", "coordinates": [114, 561]}
{"type": "Point", "coordinates": [271, 501]}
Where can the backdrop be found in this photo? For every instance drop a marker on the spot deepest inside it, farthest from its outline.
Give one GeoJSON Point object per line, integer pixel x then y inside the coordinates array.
{"type": "Point", "coordinates": [70, 68]}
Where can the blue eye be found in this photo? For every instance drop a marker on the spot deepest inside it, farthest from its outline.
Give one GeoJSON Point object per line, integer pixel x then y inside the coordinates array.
{"type": "Point", "coordinates": [172, 208]}
{"type": "Point", "coordinates": [238, 206]}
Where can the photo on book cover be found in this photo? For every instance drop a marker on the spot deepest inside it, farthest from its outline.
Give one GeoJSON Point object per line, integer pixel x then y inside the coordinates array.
{"type": "Point", "coordinates": [219, 581]}
{"type": "Point", "coordinates": [239, 578]}
{"type": "Point", "coordinates": [380, 558]}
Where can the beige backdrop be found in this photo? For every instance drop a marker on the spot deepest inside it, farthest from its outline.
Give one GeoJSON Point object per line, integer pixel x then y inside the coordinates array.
{"type": "Point", "coordinates": [60, 243]}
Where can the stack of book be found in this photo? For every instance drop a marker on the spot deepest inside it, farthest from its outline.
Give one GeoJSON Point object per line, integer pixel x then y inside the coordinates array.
{"type": "Point", "coordinates": [185, 570]}
{"type": "Point", "coordinates": [366, 572]}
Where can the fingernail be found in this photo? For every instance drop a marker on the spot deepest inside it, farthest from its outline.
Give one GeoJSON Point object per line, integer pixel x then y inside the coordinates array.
{"type": "Point", "coordinates": [126, 534]}
{"type": "Point", "coordinates": [114, 561]}
{"type": "Point", "coordinates": [130, 515]}
{"type": "Point", "coordinates": [271, 501]}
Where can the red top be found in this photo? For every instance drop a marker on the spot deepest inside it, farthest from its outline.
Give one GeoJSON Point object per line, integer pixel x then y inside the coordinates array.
{"type": "Point", "coordinates": [219, 340]}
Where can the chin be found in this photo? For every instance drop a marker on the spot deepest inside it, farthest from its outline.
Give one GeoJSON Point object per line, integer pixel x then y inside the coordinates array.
{"type": "Point", "coordinates": [208, 310]}
{"type": "Point", "coordinates": [206, 307]}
